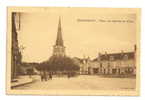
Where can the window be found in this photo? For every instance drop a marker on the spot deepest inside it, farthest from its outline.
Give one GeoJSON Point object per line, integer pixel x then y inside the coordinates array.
{"type": "Point", "coordinates": [111, 58]}
{"type": "Point", "coordinates": [125, 57]}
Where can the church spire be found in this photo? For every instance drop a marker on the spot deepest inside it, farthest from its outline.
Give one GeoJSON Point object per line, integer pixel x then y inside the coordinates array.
{"type": "Point", "coordinates": [59, 40]}
{"type": "Point", "coordinates": [59, 49]}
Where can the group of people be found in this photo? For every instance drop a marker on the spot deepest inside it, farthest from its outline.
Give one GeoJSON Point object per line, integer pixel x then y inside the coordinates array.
{"type": "Point", "coordinates": [45, 76]}
{"type": "Point", "coordinates": [48, 76]}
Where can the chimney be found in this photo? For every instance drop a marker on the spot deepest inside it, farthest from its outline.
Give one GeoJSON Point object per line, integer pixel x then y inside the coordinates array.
{"type": "Point", "coordinates": [84, 56]}
{"type": "Point", "coordinates": [122, 52]}
{"type": "Point", "coordinates": [105, 53]}
{"type": "Point", "coordinates": [135, 48]}
{"type": "Point", "coordinates": [99, 54]}
{"type": "Point", "coordinates": [88, 57]}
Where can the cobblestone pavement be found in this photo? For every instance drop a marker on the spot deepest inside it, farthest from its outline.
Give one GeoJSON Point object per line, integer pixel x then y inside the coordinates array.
{"type": "Point", "coordinates": [82, 82]}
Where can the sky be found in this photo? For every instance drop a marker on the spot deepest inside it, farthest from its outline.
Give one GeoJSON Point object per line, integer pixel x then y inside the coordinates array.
{"type": "Point", "coordinates": [84, 33]}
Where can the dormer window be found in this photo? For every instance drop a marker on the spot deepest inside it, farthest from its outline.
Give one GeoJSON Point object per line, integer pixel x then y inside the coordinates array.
{"type": "Point", "coordinates": [125, 57]}
{"type": "Point", "coordinates": [111, 58]}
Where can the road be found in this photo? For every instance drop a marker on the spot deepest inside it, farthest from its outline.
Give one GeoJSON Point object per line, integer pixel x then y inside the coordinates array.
{"type": "Point", "coordinates": [82, 82]}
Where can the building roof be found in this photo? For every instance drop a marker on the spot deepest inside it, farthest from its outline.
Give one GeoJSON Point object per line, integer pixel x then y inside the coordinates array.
{"type": "Point", "coordinates": [116, 56]}
{"type": "Point", "coordinates": [59, 40]}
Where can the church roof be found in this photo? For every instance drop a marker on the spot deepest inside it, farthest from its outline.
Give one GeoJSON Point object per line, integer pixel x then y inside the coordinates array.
{"type": "Point", "coordinates": [59, 40]}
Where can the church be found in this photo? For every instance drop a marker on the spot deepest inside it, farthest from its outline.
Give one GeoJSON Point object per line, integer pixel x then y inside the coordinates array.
{"type": "Point", "coordinates": [59, 63]}
{"type": "Point", "coordinates": [59, 48]}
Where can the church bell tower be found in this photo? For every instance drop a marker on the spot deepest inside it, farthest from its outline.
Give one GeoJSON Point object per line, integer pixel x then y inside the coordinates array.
{"type": "Point", "coordinates": [58, 48]}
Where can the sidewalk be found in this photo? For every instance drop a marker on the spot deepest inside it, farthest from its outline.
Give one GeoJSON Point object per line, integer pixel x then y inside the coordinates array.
{"type": "Point", "coordinates": [22, 80]}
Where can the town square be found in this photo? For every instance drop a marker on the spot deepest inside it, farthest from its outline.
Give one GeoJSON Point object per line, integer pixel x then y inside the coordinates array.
{"type": "Point", "coordinates": [82, 82]}
{"type": "Point", "coordinates": [52, 51]}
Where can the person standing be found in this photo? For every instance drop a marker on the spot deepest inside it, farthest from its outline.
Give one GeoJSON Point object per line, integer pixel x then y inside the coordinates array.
{"type": "Point", "coordinates": [68, 75]}
{"type": "Point", "coordinates": [41, 75]}
{"type": "Point", "coordinates": [45, 76]}
{"type": "Point", "coordinates": [50, 76]}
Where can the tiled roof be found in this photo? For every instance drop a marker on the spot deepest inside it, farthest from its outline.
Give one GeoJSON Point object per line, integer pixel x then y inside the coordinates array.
{"type": "Point", "coordinates": [116, 56]}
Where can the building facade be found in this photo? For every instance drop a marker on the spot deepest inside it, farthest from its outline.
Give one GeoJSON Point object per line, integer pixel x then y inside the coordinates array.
{"type": "Point", "coordinates": [84, 64]}
{"type": "Point", "coordinates": [16, 56]}
{"type": "Point", "coordinates": [123, 63]}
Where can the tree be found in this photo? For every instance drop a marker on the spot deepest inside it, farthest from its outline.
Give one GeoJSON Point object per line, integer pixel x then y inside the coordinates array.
{"type": "Point", "coordinates": [61, 64]}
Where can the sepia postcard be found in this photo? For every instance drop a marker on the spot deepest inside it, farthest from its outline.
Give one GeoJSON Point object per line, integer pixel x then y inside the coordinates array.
{"type": "Point", "coordinates": [73, 51]}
